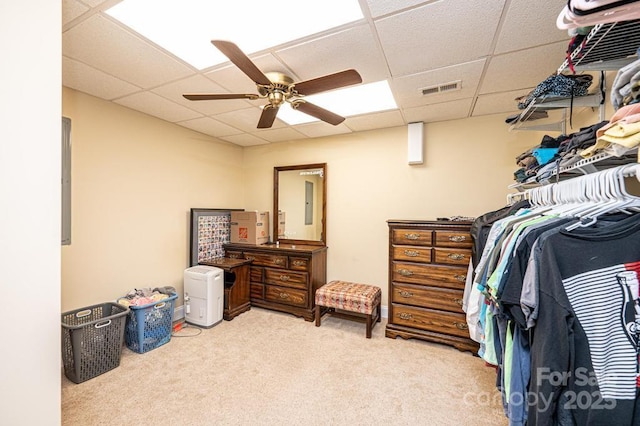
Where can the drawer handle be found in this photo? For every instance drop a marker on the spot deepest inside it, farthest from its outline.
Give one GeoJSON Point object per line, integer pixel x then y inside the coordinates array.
{"type": "Point", "coordinates": [458, 301]}
{"type": "Point", "coordinates": [461, 278]}
{"type": "Point", "coordinates": [405, 316]}
{"type": "Point", "coordinates": [457, 238]}
{"type": "Point", "coordinates": [455, 256]}
{"type": "Point", "coordinates": [278, 261]}
{"type": "Point", "coordinates": [285, 277]}
{"type": "Point", "coordinates": [250, 258]}
{"type": "Point", "coordinates": [406, 294]}
{"type": "Point", "coordinates": [299, 263]}
{"type": "Point", "coordinates": [284, 295]}
{"type": "Point", "coordinates": [405, 272]}
{"type": "Point", "coordinates": [461, 326]}
{"type": "Point", "coordinates": [412, 236]}
{"type": "Point", "coordinates": [411, 253]}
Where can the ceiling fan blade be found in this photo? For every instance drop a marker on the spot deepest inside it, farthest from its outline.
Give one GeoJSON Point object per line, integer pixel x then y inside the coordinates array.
{"type": "Point", "coordinates": [319, 112]}
{"type": "Point", "coordinates": [267, 117]}
{"type": "Point", "coordinates": [328, 82]}
{"type": "Point", "coordinates": [214, 96]}
{"type": "Point", "coordinates": [242, 61]}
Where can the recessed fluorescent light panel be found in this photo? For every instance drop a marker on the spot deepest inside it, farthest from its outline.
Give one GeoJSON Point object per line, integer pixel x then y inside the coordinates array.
{"type": "Point", "coordinates": [186, 28]}
{"type": "Point", "coordinates": [360, 99]}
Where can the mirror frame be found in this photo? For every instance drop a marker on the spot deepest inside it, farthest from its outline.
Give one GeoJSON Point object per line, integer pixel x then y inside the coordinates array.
{"type": "Point", "coordinates": [323, 239]}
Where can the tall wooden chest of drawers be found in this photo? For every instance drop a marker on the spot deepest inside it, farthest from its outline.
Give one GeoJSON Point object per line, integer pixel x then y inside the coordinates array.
{"type": "Point", "coordinates": [428, 263]}
{"type": "Point", "coordinates": [285, 277]}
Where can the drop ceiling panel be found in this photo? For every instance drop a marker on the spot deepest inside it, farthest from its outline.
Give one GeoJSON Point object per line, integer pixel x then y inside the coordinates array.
{"type": "Point", "coordinates": [245, 119]}
{"type": "Point", "coordinates": [157, 106]}
{"type": "Point", "coordinates": [279, 135]}
{"type": "Point", "coordinates": [527, 24]}
{"type": "Point", "coordinates": [200, 84]}
{"type": "Point", "coordinates": [96, 3]}
{"type": "Point", "coordinates": [408, 89]}
{"type": "Point", "coordinates": [439, 112]}
{"type": "Point", "coordinates": [84, 78]}
{"type": "Point", "coordinates": [355, 48]}
{"type": "Point", "coordinates": [379, 8]}
{"type": "Point", "coordinates": [107, 46]}
{"type": "Point", "coordinates": [71, 9]}
{"type": "Point", "coordinates": [317, 129]}
{"type": "Point", "coordinates": [522, 69]}
{"type": "Point", "coordinates": [494, 103]}
{"type": "Point", "coordinates": [439, 34]}
{"type": "Point", "coordinates": [245, 139]}
{"type": "Point", "coordinates": [379, 120]}
{"type": "Point", "coordinates": [209, 126]}
{"type": "Point", "coordinates": [495, 47]}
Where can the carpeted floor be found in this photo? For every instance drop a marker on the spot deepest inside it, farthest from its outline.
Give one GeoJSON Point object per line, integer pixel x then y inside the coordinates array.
{"type": "Point", "coordinates": [268, 368]}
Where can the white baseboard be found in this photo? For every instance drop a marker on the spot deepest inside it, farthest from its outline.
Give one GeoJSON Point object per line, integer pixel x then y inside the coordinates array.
{"type": "Point", "coordinates": [178, 312]}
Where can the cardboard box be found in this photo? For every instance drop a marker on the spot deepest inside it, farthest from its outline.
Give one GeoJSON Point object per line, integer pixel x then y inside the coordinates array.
{"type": "Point", "coordinates": [250, 227]}
{"type": "Point", "coordinates": [281, 224]}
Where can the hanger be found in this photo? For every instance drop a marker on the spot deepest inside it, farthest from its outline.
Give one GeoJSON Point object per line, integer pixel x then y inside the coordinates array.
{"type": "Point", "coordinates": [609, 188]}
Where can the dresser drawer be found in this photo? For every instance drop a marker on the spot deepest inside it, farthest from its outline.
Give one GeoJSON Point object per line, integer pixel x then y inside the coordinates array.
{"type": "Point", "coordinates": [412, 237]}
{"type": "Point", "coordinates": [431, 320]}
{"type": "Point", "coordinates": [299, 263]}
{"type": "Point", "coordinates": [285, 278]}
{"type": "Point", "coordinates": [452, 239]}
{"type": "Point", "coordinates": [428, 297]}
{"type": "Point", "coordinates": [412, 253]}
{"type": "Point", "coordinates": [436, 275]}
{"type": "Point", "coordinates": [289, 296]}
{"type": "Point", "coordinates": [452, 256]}
{"type": "Point", "coordinates": [264, 259]}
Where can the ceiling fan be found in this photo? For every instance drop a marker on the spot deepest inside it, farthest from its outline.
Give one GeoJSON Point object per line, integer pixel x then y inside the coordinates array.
{"type": "Point", "coordinates": [279, 88]}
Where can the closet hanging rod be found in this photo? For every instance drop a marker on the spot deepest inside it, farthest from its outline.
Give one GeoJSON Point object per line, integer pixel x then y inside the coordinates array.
{"type": "Point", "coordinates": [578, 189]}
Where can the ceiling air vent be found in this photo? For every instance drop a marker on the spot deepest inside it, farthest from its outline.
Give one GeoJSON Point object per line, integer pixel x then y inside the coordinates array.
{"type": "Point", "coordinates": [441, 88]}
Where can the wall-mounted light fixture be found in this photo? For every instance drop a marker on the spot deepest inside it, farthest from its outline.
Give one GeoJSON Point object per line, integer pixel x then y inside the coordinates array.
{"type": "Point", "coordinates": [415, 146]}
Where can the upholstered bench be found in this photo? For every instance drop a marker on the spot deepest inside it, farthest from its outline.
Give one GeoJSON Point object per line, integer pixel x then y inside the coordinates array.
{"type": "Point", "coordinates": [360, 302]}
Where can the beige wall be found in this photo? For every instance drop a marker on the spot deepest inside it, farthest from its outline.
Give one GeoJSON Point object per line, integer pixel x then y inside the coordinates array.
{"type": "Point", "coordinates": [134, 180]}
{"type": "Point", "coordinates": [468, 166]}
{"type": "Point", "coordinates": [135, 177]}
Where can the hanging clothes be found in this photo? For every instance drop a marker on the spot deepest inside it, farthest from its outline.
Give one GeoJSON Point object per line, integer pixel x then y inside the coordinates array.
{"type": "Point", "coordinates": [555, 303]}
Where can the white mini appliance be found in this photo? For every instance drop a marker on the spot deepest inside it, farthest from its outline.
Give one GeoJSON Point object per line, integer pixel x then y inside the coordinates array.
{"type": "Point", "coordinates": [203, 295]}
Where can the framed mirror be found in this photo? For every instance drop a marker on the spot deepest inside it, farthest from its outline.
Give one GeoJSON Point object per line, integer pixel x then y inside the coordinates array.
{"type": "Point", "coordinates": [300, 204]}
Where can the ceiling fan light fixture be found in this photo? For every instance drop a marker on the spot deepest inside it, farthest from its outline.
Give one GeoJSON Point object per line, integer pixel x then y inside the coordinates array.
{"type": "Point", "coordinates": [276, 98]}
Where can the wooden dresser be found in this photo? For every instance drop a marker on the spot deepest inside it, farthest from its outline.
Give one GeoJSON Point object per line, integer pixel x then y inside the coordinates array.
{"type": "Point", "coordinates": [428, 262]}
{"type": "Point", "coordinates": [285, 277]}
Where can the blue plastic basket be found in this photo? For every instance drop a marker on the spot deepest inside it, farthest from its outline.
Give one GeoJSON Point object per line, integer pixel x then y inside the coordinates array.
{"type": "Point", "coordinates": [149, 326]}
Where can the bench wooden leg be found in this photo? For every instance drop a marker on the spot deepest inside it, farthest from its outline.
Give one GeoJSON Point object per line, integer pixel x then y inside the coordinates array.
{"type": "Point", "coordinates": [318, 316]}
{"type": "Point", "coordinates": [369, 323]}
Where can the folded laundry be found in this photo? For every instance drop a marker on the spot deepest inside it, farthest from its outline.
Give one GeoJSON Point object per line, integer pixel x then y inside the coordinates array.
{"type": "Point", "coordinates": [626, 135]}
{"type": "Point", "coordinates": [544, 155]}
{"type": "Point", "coordinates": [626, 76]}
